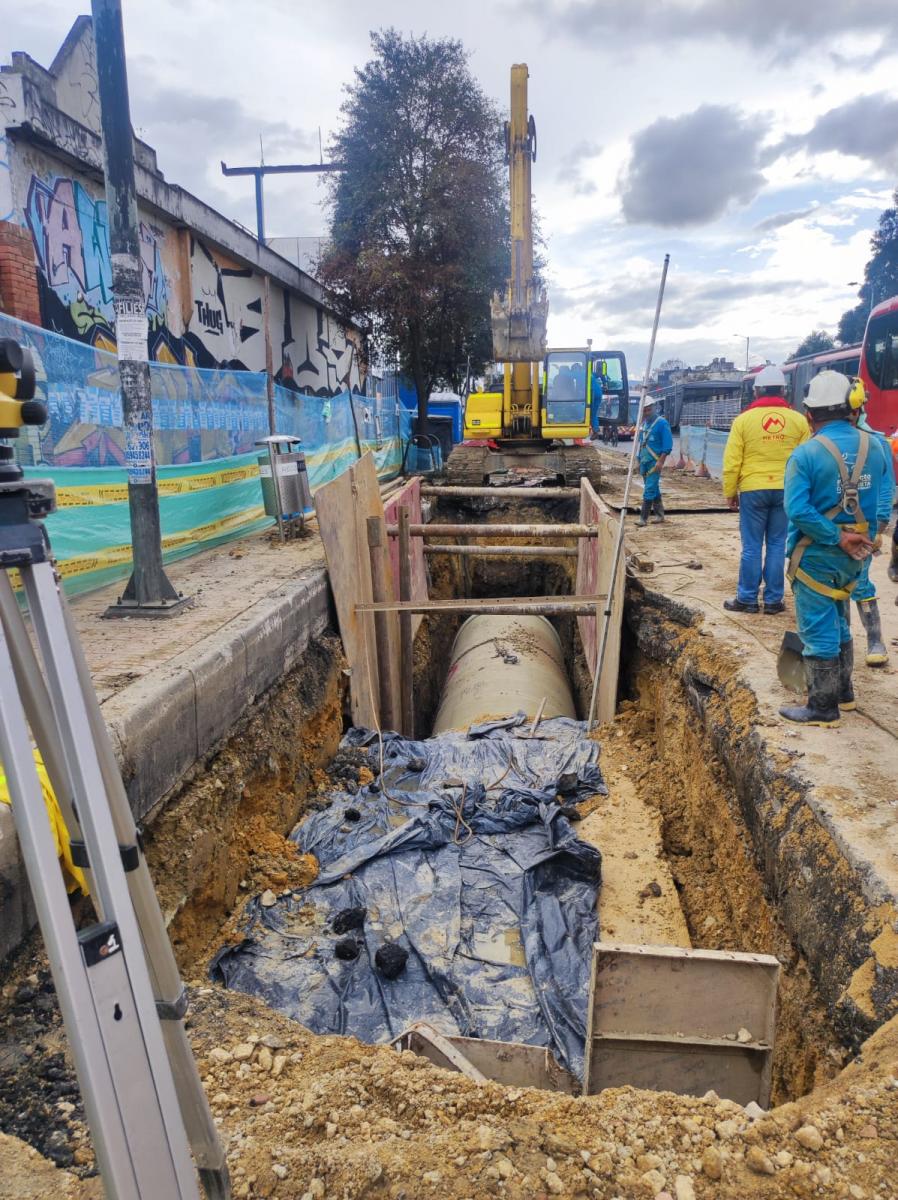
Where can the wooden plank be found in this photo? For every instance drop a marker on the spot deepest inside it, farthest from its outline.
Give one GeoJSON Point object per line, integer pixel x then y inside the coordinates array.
{"type": "Point", "coordinates": [513, 1064]}
{"type": "Point", "coordinates": [593, 578]}
{"type": "Point", "coordinates": [669, 1018]}
{"type": "Point", "coordinates": [409, 494]}
{"type": "Point", "coordinates": [343, 507]}
{"type": "Point", "coordinates": [406, 631]}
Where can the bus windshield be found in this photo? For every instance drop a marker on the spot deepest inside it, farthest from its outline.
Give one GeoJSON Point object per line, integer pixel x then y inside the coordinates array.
{"type": "Point", "coordinates": [881, 350]}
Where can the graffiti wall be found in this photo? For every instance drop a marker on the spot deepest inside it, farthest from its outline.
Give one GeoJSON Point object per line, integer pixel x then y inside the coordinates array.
{"type": "Point", "coordinates": [204, 309]}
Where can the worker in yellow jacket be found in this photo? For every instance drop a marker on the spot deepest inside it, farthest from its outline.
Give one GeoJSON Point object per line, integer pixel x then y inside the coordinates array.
{"type": "Point", "coordinates": [754, 468]}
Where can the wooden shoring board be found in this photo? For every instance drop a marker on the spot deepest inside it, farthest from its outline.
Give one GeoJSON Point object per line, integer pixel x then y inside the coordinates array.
{"type": "Point", "coordinates": [594, 561]}
{"type": "Point", "coordinates": [343, 507]}
{"type": "Point", "coordinates": [668, 1019]}
{"type": "Point", "coordinates": [409, 494]}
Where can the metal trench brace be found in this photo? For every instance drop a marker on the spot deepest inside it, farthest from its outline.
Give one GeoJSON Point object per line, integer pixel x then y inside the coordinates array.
{"type": "Point", "coordinates": [116, 980]}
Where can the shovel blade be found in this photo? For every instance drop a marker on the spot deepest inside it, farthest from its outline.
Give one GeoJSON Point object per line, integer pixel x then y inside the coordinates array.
{"type": "Point", "coordinates": [790, 663]}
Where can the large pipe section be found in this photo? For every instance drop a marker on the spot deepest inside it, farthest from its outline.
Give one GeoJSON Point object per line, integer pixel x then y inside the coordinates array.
{"type": "Point", "coordinates": [500, 666]}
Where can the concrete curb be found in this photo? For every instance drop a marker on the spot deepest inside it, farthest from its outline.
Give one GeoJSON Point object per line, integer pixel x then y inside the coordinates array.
{"type": "Point", "coordinates": [166, 721]}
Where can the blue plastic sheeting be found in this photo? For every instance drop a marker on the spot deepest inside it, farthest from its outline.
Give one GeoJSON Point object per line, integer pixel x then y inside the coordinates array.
{"type": "Point", "coordinates": [485, 885]}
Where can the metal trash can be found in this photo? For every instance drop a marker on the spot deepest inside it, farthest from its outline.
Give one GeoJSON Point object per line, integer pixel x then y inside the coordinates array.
{"type": "Point", "coordinates": [286, 495]}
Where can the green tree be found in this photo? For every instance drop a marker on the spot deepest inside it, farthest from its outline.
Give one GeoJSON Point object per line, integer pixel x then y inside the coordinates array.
{"type": "Point", "coordinates": [419, 224]}
{"type": "Point", "coordinates": [880, 276]}
{"type": "Point", "coordinates": [815, 343]}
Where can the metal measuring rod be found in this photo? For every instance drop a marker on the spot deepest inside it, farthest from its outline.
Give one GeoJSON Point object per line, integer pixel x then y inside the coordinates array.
{"type": "Point", "coordinates": [117, 982]}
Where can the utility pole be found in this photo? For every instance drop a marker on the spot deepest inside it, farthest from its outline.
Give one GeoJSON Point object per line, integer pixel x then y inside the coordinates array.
{"type": "Point", "coordinates": [149, 592]}
{"type": "Point", "coordinates": [280, 169]}
{"type": "Point", "coordinates": [747, 344]}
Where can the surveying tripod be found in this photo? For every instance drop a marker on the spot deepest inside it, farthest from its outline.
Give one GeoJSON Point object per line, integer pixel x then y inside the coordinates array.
{"type": "Point", "coordinates": [117, 982]}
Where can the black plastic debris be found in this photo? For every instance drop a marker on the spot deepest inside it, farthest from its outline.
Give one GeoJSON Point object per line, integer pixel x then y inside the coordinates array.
{"type": "Point", "coordinates": [483, 885]}
{"type": "Point", "coordinates": [390, 960]}
{"type": "Point", "coordinates": [347, 949]}
{"type": "Point", "coordinates": [348, 918]}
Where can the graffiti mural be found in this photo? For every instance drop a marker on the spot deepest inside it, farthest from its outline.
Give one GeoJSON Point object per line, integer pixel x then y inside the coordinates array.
{"type": "Point", "coordinates": [316, 356]}
{"type": "Point", "coordinates": [224, 327]}
{"type": "Point", "coordinates": [71, 244]}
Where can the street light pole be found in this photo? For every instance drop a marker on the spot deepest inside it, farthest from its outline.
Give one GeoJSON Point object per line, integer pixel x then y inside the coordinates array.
{"type": "Point", "coordinates": [149, 592]}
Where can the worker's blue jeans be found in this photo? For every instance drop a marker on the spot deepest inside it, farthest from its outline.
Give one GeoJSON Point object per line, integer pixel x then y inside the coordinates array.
{"type": "Point", "coordinates": [762, 519]}
{"type": "Point", "coordinates": [823, 623]}
{"type": "Point", "coordinates": [652, 489]}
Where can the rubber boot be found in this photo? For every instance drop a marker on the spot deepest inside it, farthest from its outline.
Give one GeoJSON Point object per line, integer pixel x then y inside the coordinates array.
{"type": "Point", "coordinates": [644, 513]}
{"type": "Point", "coordinates": [822, 707]}
{"type": "Point", "coordinates": [847, 702]}
{"type": "Point", "coordinates": [877, 654]}
{"type": "Point", "coordinates": [893, 564]}
{"type": "Point", "coordinates": [658, 507]}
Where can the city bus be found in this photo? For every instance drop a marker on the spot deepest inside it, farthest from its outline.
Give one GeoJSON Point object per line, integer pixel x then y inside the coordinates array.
{"type": "Point", "coordinates": [800, 371]}
{"type": "Point", "coordinates": [879, 366]}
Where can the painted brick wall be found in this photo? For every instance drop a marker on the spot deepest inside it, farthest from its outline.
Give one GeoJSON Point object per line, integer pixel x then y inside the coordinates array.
{"type": "Point", "coordinates": [19, 296]}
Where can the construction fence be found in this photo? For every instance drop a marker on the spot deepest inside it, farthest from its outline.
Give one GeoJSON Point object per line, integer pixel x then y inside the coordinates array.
{"type": "Point", "coordinates": [206, 424]}
{"type": "Point", "coordinates": [701, 450]}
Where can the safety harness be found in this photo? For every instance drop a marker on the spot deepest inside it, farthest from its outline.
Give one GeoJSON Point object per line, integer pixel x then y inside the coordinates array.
{"type": "Point", "coordinates": [849, 503]}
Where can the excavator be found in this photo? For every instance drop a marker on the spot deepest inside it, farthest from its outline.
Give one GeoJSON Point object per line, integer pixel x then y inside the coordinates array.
{"type": "Point", "coordinates": [530, 420]}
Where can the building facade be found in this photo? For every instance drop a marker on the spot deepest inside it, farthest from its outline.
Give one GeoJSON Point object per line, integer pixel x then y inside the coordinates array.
{"type": "Point", "coordinates": [215, 297]}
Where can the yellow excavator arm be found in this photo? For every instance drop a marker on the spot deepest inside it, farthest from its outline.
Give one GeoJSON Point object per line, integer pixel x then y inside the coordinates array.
{"type": "Point", "coordinates": [519, 316]}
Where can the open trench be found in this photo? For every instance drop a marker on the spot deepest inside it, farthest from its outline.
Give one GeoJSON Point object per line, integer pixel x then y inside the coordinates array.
{"type": "Point", "coordinates": [221, 839]}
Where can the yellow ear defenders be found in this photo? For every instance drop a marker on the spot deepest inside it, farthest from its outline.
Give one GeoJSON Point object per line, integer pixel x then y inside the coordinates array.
{"type": "Point", "coordinates": [857, 395]}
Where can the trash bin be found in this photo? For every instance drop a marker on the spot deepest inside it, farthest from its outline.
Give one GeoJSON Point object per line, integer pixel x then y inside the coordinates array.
{"type": "Point", "coordinates": [286, 495]}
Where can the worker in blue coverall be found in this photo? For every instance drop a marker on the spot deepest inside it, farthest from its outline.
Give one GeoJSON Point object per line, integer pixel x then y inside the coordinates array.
{"type": "Point", "coordinates": [864, 595]}
{"type": "Point", "coordinates": [655, 443]}
{"type": "Point", "coordinates": [836, 497]}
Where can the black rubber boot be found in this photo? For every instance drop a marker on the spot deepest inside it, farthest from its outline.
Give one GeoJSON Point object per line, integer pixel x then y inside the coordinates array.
{"type": "Point", "coordinates": [737, 605]}
{"type": "Point", "coordinates": [847, 702]}
{"type": "Point", "coordinates": [822, 707]}
{"type": "Point", "coordinates": [658, 508]}
{"type": "Point", "coordinates": [644, 513]}
{"type": "Point", "coordinates": [877, 654]}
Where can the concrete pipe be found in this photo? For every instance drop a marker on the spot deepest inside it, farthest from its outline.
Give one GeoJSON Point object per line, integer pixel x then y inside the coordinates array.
{"type": "Point", "coordinates": [500, 666]}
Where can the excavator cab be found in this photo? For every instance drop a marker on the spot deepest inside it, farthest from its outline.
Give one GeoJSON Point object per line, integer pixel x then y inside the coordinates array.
{"type": "Point", "coordinates": [566, 394]}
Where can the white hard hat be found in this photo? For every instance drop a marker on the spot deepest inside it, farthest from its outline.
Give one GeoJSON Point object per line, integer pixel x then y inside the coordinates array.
{"type": "Point", "coordinates": [769, 377]}
{"type": "Point", "coordinates": [650, 401]}
{"type": "Point", "coordinates": [829, 389]}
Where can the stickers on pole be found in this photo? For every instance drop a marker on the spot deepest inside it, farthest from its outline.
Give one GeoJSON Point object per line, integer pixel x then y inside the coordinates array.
{"type": "Point", "coordinates": [139, 448]}
{"type": "Point", "coordinates": [131, 330]}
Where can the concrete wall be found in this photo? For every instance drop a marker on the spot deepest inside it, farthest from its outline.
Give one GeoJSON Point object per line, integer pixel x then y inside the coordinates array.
{"type": "Point", "coordinates": [204, 276]}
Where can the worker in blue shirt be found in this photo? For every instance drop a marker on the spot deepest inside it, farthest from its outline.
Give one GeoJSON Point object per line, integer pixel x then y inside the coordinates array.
{"type": "Point", "coordinates": [835, 498]}
{"type": "Point", "coordinates": [864, 595]}
{"type": "Point", "coordinates": [655, 443]}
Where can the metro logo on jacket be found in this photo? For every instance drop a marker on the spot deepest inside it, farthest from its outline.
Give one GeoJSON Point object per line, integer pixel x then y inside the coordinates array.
{"type": "Point", "coordinates": [759, 444]}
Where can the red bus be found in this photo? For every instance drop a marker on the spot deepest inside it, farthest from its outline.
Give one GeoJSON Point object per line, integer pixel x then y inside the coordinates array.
{"type": "Point", "coordinates": [879, 366]}
{"type": "Point", "coordinates": [800, 371]}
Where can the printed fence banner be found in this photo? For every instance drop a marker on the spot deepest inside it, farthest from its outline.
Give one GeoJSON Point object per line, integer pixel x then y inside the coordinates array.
{"type": "Point", "coordinates": [205, 427]}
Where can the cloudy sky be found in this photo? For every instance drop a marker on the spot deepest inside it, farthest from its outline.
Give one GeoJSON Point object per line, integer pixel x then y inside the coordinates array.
{"type": "Point", "coordinates": [756, 141]}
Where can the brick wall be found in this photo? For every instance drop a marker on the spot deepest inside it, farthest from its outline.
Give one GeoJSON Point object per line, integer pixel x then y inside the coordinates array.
{"type": "Point", "coordinates": [18, 274]}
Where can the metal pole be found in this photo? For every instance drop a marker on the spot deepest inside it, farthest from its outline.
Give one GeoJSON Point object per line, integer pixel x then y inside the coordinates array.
{"type": "Point", "coordinates": [406, 639]}
{"type": "Point", "coordinates": [269, 357]}
{"type": "Point", "coordinates": [537, 606]}
{"type": "Point", "coordinates": [619, 541]}
{"type": "Point", "coordinates": [260, 207]}
{"type": "Point", "coordinates": [502, 493]}
{"type": "Point", "coordinates": [486, 530]}
{"type": "Point", "coordinates": [503, 551]}
{"type": "Point", "coordinates": [149, 591]}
